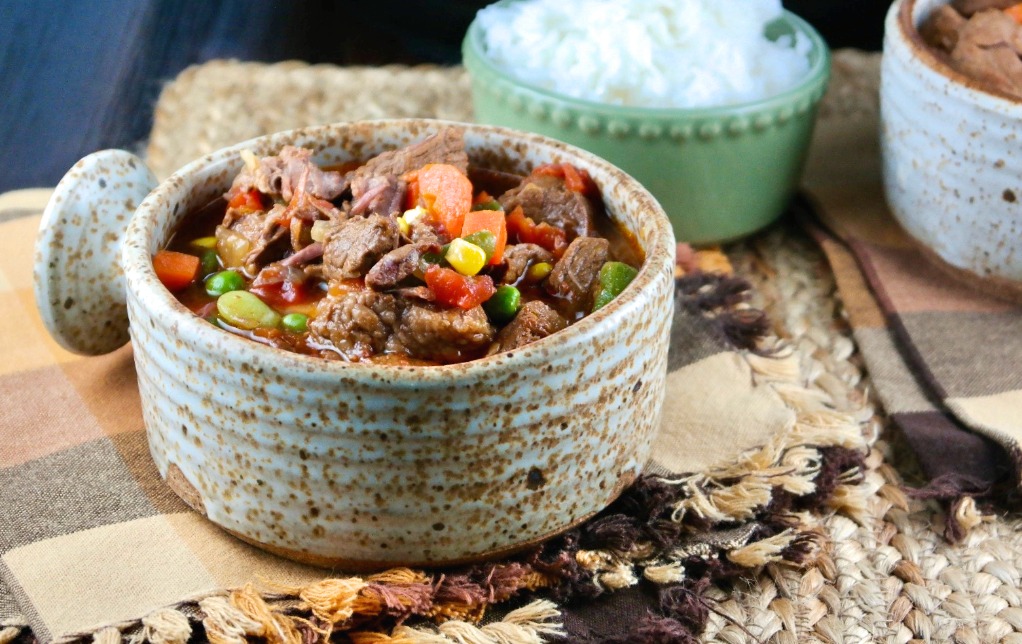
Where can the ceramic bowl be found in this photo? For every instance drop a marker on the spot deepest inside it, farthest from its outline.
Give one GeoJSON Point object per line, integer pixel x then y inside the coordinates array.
{"type": "Point", "coordinates": [951, 169]}
{"type": "Point", "coordinates": [352, 465]}
{"type": "Point", "coordinates": [720, 173]}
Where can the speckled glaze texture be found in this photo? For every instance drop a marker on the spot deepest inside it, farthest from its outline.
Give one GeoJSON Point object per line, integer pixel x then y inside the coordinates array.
{"type": "Point", "coordinates": [362, 466]}
{"type": "Point", "coordinates": [951, 167]}
{"type": "Point", "coordinates": [79, 286]}
{"type": "Point", "coordinates": [720, 173]}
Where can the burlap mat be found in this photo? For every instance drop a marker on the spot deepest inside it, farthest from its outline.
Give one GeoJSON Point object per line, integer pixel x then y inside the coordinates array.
{"type": "Point", "coordinates": [890, 576]}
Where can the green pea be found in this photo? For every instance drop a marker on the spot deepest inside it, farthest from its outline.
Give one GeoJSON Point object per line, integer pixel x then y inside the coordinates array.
{"type": "Point", "coordinates": [224, 282]}
{"type": "Point", "coordinates": [295, 322]}
{"type": "Point", "coordinates": [483, 239]}
{"type": "Point", "coordinates": [246, 311]}
{"type": "Point", "coordinates": [614, 277]}
{"type": "Point", "coordinates": [504, 304]}
{"type": "Point", "coordinates": [210, 263]}
{"type": "Point", "coordinates": [488, 205]}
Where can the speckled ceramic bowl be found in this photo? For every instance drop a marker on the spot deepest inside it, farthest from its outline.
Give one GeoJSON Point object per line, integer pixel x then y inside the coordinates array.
{"type": "Point", "coordinates": [951, 167]}
{"type": "Point", "coordinates": [720, 173]}
{"type": "Point", "coordinates": [355, 465]}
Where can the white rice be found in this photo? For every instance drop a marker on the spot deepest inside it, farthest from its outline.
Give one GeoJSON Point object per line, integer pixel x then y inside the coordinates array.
{"type": "Point", "coordinates": [648, 53]}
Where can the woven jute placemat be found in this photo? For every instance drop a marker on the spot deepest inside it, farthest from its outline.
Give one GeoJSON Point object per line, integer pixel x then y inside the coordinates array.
{"type": "Point", "coordinates": [887, 573]}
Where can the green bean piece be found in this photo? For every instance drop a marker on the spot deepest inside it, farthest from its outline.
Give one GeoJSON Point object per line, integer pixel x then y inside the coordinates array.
{"type": "Point", "coordinates": [483, 239]}
{"type": "Point", "coordinates": [488, 205]}
{"type": "Point", "coordinates": [210, 263]}
{"type": "Point", "coordinates": [295, 322]}
{"type": "Point", "coordinates": [246, 311]}
{"type": "Point", "coordinates": [614, 277]}
{"type": "Point", "coordinates": [224, 282]}
{"type": "Point", "coordinates": [504, 304]}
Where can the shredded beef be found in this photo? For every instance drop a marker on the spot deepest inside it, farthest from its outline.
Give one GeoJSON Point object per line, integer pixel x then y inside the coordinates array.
{"type": "Point", "coordinates": [398, 265]}
{"type": "Point", "coordinates": [546, 199]}
{"type": "Point", "coordinates": [266, 240]}
{"type": "Point", "coordinates": [969, 7]}
{"type": "Point", "coordinates": [941, 28]}
{"type": "Point", "coordinates": [575, 276]}
{"type": "Point", "coordinates": [444, 335]}
{"type": "Point", "coordinates": [356, 324]}
{"type": "Point", "coordinates": [534, 321]}
{"type": "Point", "coordinates": [446, 146]}
{"type": "Point", "coordinates": [379, 194]}
{"type": "Point", "coordinates": [351, 249]}
{"type": "Point", "coordinates": [281, 174]}
{"type": "Point", "coordinates": [517, 259]}
{"type": "Point", "coordinates": [988, 50]}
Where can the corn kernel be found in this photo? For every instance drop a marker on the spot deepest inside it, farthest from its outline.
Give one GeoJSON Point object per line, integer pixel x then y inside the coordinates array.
{"type": "Point", "coordinates": [538, 272]}
{"type": "Point", "coordinates": [412, 215]}
{"type": "Point", "coordinates": [206, 243]}
{"type": "Point", "coordinates": [404, 227]}
{"type": "Point", "coordinates": [465, 257]}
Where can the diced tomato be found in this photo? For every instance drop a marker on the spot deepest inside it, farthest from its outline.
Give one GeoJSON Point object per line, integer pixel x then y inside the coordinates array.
{"type": "Point", "coordinates": [451, 288]}
{"type": "Point", "coordinates": [575, 179]}
{"type": "Point", "coordinates": [491, 220]}
{"type": "Point", "coordinates": [250, 200]}
{"type": "Point", "coordinates": [446, 192]}
{"type": "Point", "coordinates": [176, 270]}
{"type": "Point", "coordinates": [284, 293]}
{"type": "Point", "coordinates": [525, 230]}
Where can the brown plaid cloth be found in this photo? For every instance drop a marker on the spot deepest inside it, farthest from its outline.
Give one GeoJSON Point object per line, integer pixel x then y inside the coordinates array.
{"type": "Point", "coordinates": [946, 359]}
{"type": "Point", "coordinates": [91, 537]}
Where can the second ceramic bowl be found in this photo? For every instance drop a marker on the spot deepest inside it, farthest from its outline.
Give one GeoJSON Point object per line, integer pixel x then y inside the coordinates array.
{"type": "Point", "coordinates": [720, 173]}
{"type": "Point", "coordinates": [952, 172]}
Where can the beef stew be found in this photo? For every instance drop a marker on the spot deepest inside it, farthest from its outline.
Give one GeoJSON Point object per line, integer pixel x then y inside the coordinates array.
{"type": "Point", "coordinates": [414, 257]}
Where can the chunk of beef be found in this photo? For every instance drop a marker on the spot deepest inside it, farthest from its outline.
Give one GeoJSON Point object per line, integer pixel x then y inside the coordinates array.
{"type": "Point", "coordinates": [281, 174]}
{"type": "Point", "coordinates": [988, 50]}
{"type": "Point", "coordinates": [379, 194]}
{"type": "Point", "coordinates": [534, 321]}
{"type": "Point", "coordinates": [969, 7]}
{"type": "Point", "coordinates": [575, 276]}
{"type": "Point", "coordinates": [355, 324]}
{"type": "Point", "coordinates": [442, 335]}
{"type": "Point", "coordinates": [249, 240]}
{"type": "Point", "coordinates": [421, 293]}
{"type": "Point", "coordinates": [545, 198]}
{"type": "Point", "coordinates": [941, 29]}
{"type": "Point", "coordinates": [423, 231]}
{"type": "Point", "coordinates": [351, 249]}
{"type": "Point", "coordinates": [494, 182]}
{"type": "Point", "coordinates": [446, 146]}
{"type": "Point", "coordinates": [518, 258]}
{"type": "Point", "coordinates": [398, 265]}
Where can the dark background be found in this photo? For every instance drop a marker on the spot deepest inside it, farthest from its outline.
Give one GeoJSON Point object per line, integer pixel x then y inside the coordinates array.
{"type": "Point", "coordinates": [79, 76]}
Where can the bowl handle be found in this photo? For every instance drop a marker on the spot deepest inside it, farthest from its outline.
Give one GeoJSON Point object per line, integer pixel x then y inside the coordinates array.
{"type": "Point", "coordinates": [79, 285]}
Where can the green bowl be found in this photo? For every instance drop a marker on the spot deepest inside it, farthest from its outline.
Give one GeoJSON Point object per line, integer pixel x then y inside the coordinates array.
{"type": "Point", "coordinates": [720, 173]}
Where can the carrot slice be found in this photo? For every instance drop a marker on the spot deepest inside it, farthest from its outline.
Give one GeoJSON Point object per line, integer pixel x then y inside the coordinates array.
{"type": "Point", "coordinates": [1015, 12]}
{"type": "Point", "coordinates": [447, 192]}
{"type": "Point", "coordinates": [176, 270]}
{"type": "Point", "coordinates": [491, 220]}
